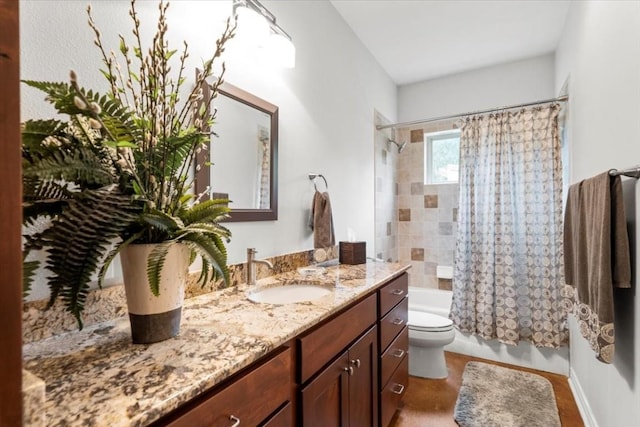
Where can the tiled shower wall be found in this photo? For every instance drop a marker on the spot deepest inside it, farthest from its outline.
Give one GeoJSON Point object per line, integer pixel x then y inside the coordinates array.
{"type": "Point", "coordinates": [427, 214]}
{"type": "Point", "coordinates": [386, 199]}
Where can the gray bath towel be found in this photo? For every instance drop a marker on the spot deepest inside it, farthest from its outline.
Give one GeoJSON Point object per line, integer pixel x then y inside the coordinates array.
{"type": "Point", "coordinates": [321, 221]}
{"type": "Point", "coordinates": [596, 250]}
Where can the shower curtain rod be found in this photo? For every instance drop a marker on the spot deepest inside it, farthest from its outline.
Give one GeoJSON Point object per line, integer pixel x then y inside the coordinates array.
{"type": "Point", "coordinates": [455, 116]}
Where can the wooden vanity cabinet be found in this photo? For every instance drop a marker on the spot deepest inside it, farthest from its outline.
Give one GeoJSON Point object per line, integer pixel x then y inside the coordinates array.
{"type": "Point", "coordinates": [393, 391]}
{"type": "Point", "coordinates": [317, 347]}
{"type": "Point", "coordinates": [338, 370]}
{"type": "Point", "coordinates": [393, 311]}
{"type": "Point", "coordinates": [282, 418]}
{"type": "Point", "coordinates": [351, 370]}
{"type": "Point", "coordinates": [391, 358]}
{"type": "Point", "coordinates": [345, 393]}
{"type": "Point", "coordinates": [259, 397]}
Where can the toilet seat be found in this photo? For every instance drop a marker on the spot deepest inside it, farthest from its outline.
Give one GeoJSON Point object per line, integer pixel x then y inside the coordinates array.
{"type": "Point", "coordinates": [428, 322]}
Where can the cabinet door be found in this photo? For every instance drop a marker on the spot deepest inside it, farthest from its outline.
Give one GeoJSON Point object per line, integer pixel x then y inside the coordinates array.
{"type": "Point", "coordinates": [363, 380]}
{"type": "Point", "coordinates": [325, 400]}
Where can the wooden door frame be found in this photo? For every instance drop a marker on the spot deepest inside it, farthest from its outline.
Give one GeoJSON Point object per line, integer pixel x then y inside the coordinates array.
{"type": "Point", "coordinates": [10, 218]}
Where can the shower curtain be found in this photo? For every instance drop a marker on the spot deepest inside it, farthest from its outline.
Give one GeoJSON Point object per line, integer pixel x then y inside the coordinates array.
{"type": "Point", "coordinates": [509, 263]}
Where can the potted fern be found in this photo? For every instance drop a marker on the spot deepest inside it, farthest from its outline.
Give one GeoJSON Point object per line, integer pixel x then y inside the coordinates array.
{"type": "Point", "coordinates": [116, 178]}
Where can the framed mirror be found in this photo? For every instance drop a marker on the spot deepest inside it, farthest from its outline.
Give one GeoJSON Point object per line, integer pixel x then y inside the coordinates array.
{"type": "Point", "coordinates": [244, 166]}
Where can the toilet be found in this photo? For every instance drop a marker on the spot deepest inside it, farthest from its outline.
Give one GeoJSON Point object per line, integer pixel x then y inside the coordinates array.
{"type": "Point", "coordinates": [428, 334]}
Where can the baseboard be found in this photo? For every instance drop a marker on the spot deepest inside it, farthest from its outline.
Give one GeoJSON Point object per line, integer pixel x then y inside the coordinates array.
{"type": "Point", "coordinates": [581, 400]}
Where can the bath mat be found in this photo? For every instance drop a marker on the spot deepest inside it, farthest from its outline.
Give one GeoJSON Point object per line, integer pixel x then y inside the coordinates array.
{"type": "Point", "coordinates": [493, 396]}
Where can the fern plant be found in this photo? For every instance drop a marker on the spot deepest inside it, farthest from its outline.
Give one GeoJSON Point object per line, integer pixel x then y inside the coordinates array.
{"type": "Point", "coordinates": [120, 169]}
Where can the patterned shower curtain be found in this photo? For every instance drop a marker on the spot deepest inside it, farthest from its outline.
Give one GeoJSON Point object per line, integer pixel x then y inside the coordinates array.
{"type": "Point", "coordinates": [509, 263]}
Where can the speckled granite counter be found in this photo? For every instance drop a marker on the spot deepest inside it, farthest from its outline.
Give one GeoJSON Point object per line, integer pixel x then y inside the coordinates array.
{"type": "Point", "coordinates": [96, 377]}
{"type": "Point", "coordinates": [32, 400]}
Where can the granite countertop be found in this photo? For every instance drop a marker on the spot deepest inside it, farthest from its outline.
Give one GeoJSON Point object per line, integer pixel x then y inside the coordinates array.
{"type": "Point", "coordinates": [96, 377]}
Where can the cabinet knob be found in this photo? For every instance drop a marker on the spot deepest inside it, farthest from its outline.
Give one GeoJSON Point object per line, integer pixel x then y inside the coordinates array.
{"type": "Point", "coordinates": [398, 352]}
{"type": "Point", "coordinates": [398, 321]}
{"type": "Point", "coordinates": [355, 362]}
{"type": "Point", "coordinates": [397, 389]}
{"type": "Point", "coordinates": [397, 292]}
{"type": "Point", "coordinates": [236, 421]}
{"type": "Point", "coordinates": [349, 370]}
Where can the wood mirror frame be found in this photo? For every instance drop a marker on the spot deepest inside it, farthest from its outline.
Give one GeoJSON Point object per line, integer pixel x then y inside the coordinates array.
{"type": "Point", "coordinates": [203, 175]}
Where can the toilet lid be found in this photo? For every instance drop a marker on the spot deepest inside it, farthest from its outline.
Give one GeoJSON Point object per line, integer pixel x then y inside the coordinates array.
{"type": "Point", "coordinates": [428, 322]}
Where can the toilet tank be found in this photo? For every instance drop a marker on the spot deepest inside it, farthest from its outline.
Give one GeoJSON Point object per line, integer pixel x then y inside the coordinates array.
{"type": "Point", "coordinates": [434, 301]}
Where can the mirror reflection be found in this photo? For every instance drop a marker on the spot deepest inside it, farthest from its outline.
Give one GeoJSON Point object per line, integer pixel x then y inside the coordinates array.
{"type": "Point", "coordinates": [244, 155]}
{"type": "Point", "coordinates": [244, 135]}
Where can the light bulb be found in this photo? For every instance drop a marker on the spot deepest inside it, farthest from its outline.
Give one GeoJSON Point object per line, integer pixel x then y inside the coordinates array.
{"type": "Point", "coordinates": [253, 28]}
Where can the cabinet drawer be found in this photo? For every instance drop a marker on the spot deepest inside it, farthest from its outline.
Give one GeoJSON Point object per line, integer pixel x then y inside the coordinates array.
{"type": "Point", "coordinates": [392, 293]}
{"type": "Point", "coordinates": [393, 323]}
{"type": "Point", "coordinates": [318, 347]}
{"type": "Point", "coordinates": [393, 391]}
{"type": "Point", "coordinates": [391, 358]}
{"type": "Point", "coordinates": [283, 418]}
{"type": "Point", "coordinates": [245, 398]}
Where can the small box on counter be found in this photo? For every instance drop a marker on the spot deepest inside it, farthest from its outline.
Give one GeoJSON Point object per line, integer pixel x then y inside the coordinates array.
{"type": "Point", "coordinates": [353, 252]}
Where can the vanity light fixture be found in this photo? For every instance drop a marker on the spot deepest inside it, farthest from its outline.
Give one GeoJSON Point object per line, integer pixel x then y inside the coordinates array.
{"type": "Point", "coordinates": [259, 25]}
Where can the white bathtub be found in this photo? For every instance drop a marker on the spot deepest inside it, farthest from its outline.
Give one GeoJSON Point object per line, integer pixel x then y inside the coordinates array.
{"type": "Point", "coordinates": [438, 302]}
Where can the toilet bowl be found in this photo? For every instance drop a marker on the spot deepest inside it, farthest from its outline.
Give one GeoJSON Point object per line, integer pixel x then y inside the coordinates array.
{"type": "Point", "coordinates": [428, 334]}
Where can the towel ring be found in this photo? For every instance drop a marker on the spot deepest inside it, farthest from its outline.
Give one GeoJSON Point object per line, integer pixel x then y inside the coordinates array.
{"type": "Point", "coordinates": [314, 176]}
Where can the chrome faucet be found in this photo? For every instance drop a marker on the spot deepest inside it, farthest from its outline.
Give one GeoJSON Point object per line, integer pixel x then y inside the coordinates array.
{"type": "Point", "coordinates": [251, 269]}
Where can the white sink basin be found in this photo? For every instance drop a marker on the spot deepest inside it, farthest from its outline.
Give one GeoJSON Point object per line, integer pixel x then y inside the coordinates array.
{"type": "Point", "coordinates": [288, 294]}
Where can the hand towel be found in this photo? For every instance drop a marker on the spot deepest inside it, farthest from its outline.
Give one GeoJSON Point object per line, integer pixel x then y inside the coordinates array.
{"type": "Point", "coordinates": [597, 258]}
{"type": "Point", "coordinates": [321, 221]}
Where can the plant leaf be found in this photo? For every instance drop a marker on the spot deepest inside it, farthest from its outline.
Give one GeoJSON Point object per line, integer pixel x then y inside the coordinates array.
{"type": "Point", "coordinates": [211, 211]}
{"type": "Point", "coordinates": [111, 255]}
{"type": "Point", "coordinates": [162, 221]}
{"type": "Point", "coordinates": [210, 248]}
{"type": "Point", "coordinates": [155, 263]}
{"type": "Point", "coordinates": [79, 236]}
{"type": "Point", "coordinates": [28, 272]}
{"type": "Point", "coordinates": [82, 166]}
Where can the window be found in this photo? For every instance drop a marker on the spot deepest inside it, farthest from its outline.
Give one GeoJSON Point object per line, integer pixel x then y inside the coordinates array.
{"type": "Point", "coordinates": [441, 157]}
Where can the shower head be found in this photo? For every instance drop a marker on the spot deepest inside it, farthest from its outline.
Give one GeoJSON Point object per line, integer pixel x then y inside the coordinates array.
{"type": "Point", "coordinates": [400, 146]}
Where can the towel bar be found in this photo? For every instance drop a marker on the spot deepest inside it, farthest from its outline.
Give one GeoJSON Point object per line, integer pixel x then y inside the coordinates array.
{"type": "Point", "coordinates": [631, 172]}
{"type": "Point", "coordinates": [313, 176]}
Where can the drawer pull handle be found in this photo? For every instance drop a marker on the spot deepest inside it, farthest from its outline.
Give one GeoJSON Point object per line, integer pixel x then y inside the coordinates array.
{"type": "Point", "coordinates": [397, 389]}
{"type": "Point", "coordinates": [236, 421]}
{"type": "Point", "coordinates": [397, 292]}
{"type": "Point", "coordinates": [398, 353]}
{"type": "Point", "coordinates": [398, 321]}
{"type": "Point", "coordinates": [349, 370]}
{"type": "Point", "coordinates": [356, 362]}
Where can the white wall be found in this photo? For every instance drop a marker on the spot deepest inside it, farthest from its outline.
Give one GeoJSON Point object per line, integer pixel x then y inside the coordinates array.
{"type": "Point", "coordinates": [326, 102]}
{"type": "Point", "coordinates": [326, 126]}
{"type": "Point", "coordinates": [600, 51]}
{"type": "Point", "coordinates": [496, 86]}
